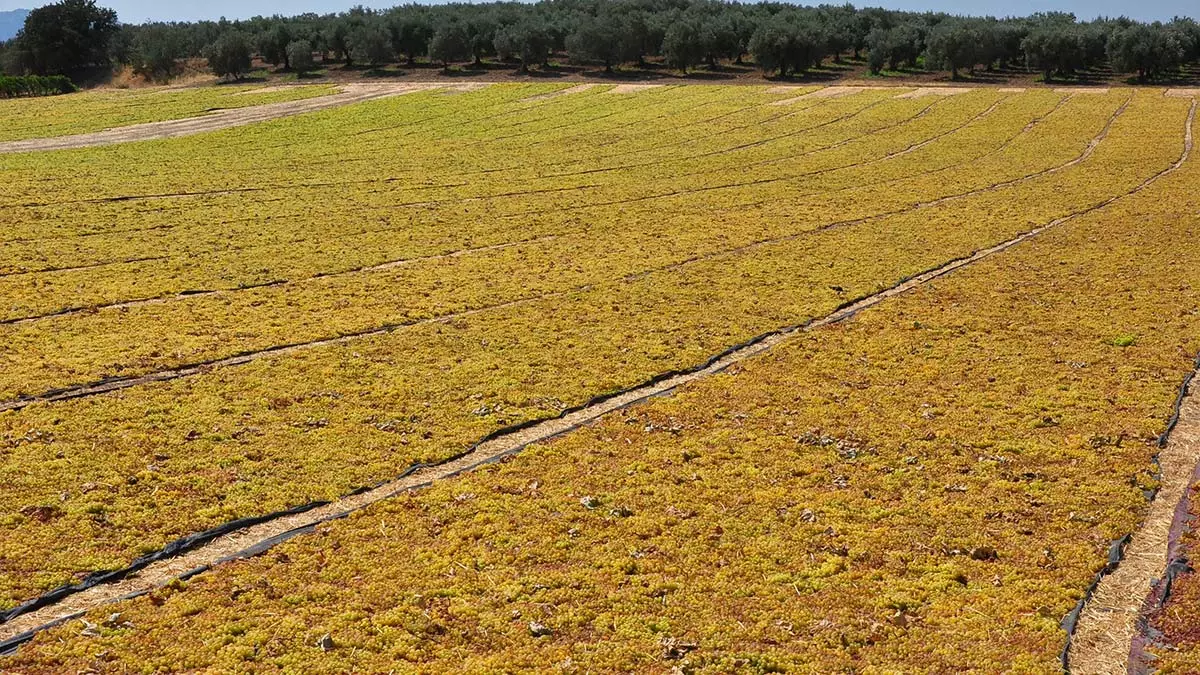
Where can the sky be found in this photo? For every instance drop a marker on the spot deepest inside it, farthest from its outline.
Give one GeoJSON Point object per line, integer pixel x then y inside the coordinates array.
{"type": "Point", "coordinates": [137, 11]}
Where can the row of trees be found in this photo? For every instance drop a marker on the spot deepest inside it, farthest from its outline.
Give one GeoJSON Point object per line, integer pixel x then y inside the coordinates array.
{"type": "Point", "coordinates": [1059, 47]}
{"type": "Point", "coordinates": [34, 85]}
{"type": "Point", "coordinates": [781, 38]}
{"type": "Point", "coordinates": [62, 39]}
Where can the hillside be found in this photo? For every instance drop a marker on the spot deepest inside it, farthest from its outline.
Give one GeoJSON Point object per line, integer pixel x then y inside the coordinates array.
{"type": "Point", "coordinates": [11, 21]}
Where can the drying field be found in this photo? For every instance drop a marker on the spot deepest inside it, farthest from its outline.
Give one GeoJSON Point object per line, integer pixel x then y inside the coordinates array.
{"type": "Point", "coordinates": [222, 327]}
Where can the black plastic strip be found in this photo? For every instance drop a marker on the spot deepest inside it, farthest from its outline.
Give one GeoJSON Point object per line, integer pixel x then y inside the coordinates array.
{"type": "Point", "coordinates": [10, 645]}
{"type": "Point", "coordinates": [169, 551]}
{"type": "Point", "coordinates": [1116, 553]}
{"type": "Point", "coordinates": [1175, 411]}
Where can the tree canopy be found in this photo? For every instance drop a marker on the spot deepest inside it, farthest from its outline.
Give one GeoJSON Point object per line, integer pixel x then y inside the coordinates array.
{"type": "Point", "coordinates": [230, 55]}
{"type": "Point", "coordinates": [65, 38]}
{"type": "Point", "coordinates": [783, 39]}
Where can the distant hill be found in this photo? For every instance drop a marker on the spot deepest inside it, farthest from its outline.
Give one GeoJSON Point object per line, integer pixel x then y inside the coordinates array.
{"type": "Point", "coordinates": [11, 22]}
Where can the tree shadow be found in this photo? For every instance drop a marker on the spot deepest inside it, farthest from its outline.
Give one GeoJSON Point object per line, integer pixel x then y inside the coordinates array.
{"type": "Point", "coordinates": [1095, 77]}
{"type": "Point", "coordinates": [464, 70]}
{"type": "Point", "coordinates": [906, 72]}
{"type": "Point", "coordinates": [384, 73]}
{"type": "Point", "coordinates": [421, 65]}
{"type": "Point", "coordinates": [538, 73]}
{"type": "Point", "coordinates": [565, 68]}
{"type": "Point", "coordinates": [842, 67]}
{"type": "Point", "coordinates": [726, 68]}
{"type": "Point", "coordinates": [811, 75]}
{"type": "Point", "coordinates": [978, 77]}
{"type": "Point", "coordinates": [488, 65]}
{"type": "Point", "coordinates": [248, 79]}
{"type": "Point", "coordinates": [708, 76]}
{"type": "Point", "coordinates": [625, 75]}
{"type": "Point", "coordinates": [1181, 78]}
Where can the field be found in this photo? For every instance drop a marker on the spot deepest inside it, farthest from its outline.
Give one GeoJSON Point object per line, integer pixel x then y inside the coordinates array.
{"type": "Point", "coordinates": [94, 111]}
{"type": "Point", "coordinates": [271, 317]}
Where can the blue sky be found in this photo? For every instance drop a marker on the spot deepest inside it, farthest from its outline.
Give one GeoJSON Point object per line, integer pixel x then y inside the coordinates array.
{"type": "Point", "coordinates": [136, 11]}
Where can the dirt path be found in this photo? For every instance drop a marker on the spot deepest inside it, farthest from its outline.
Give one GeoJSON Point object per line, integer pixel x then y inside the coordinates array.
{"type": "Point", "coordinates": [224, 119]}
{"type": "Point", "coordinates": [258, 538]}
{"type": "Point", "coordinates": [1107, 626]}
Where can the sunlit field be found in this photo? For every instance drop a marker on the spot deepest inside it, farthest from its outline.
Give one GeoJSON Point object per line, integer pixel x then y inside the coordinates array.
{"type": "Point", "coordinates": [252, 320]}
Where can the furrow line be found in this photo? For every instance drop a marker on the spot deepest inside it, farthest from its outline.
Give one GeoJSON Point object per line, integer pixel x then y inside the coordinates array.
{"type": "Point", "coordinates": [224, 191]}
{"type": "Point", "coordinates": [188, 370]}
{"type": "Point", "coordinates": [568, 125]}
{"type": "Point", "coordinates": [78, 268]}
{"type": "Point", "coordinates": [391, 264]}
{"type": "Point", "coordinates": [917, 146]}
{"type": "Point", "coordinates": [877, 160]}
{"type": "Point", "coordinates": [737, 148]}
{"type": "Point", "coordinates": [114, 384]}
{"type": "Point", "coordinates": [1088, 151]}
